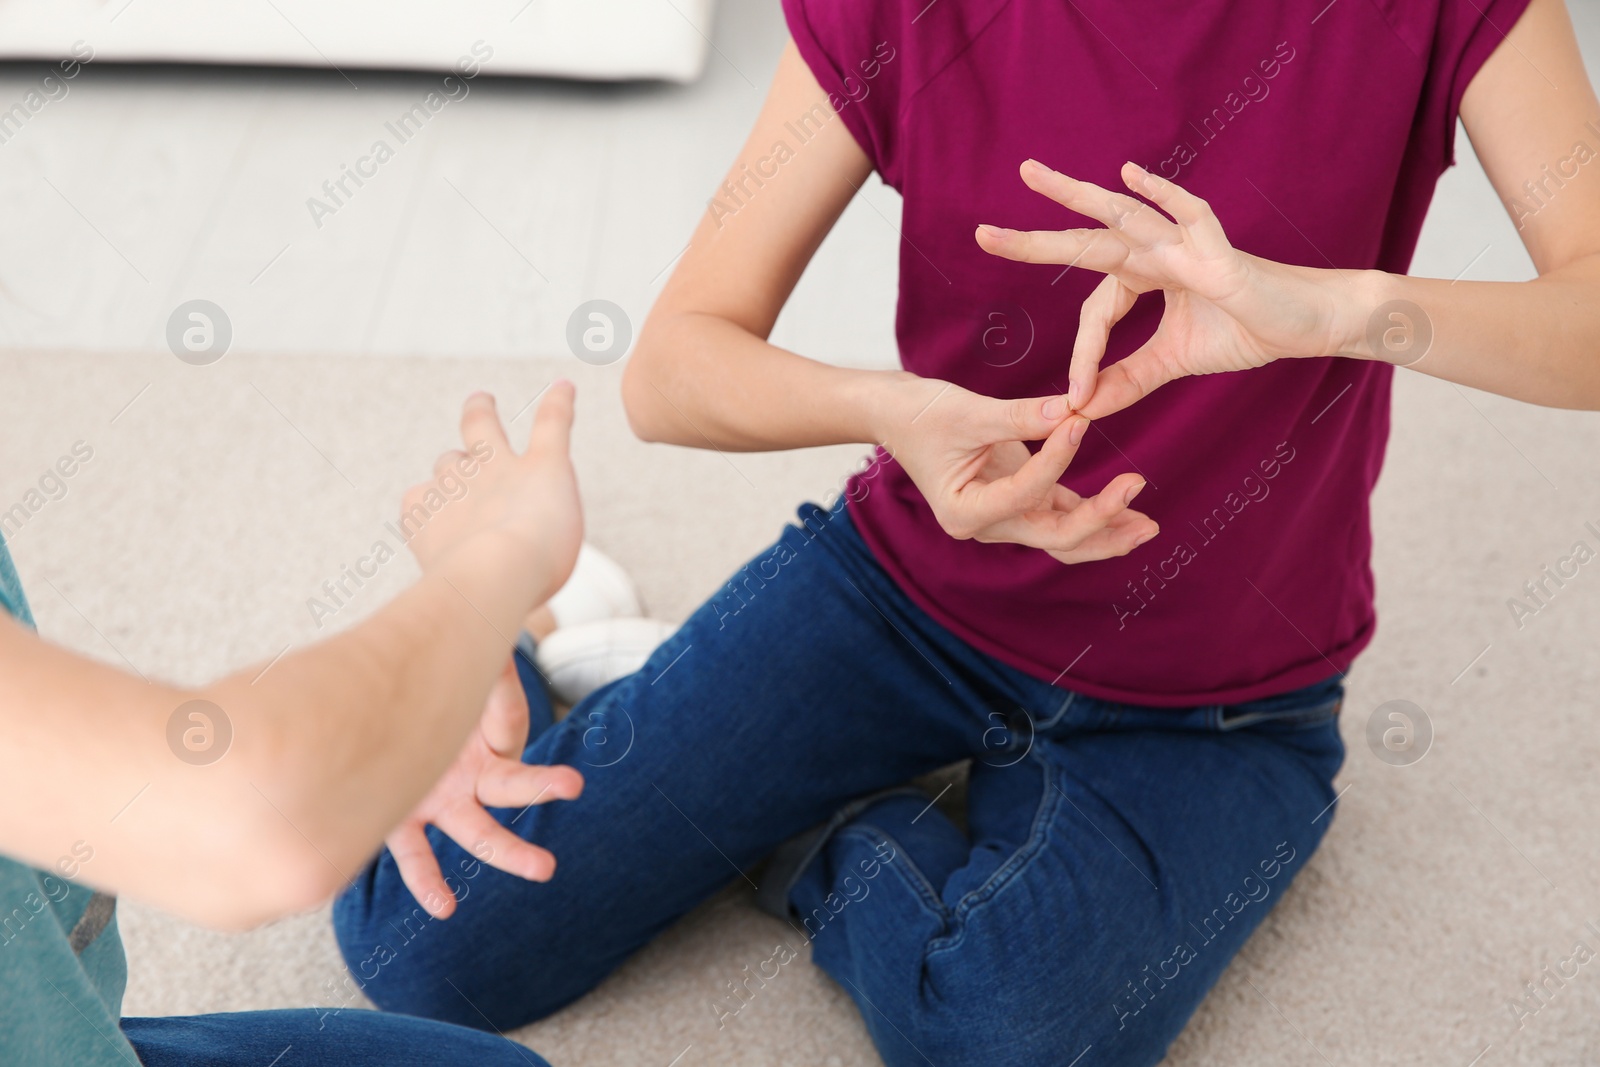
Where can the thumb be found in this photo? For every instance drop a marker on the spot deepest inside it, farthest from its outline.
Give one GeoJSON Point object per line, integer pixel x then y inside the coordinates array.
{"type": "Point", "coordinates": [1028, 418]}
{"type": "Point", "coordinates": [1126, 382]}
{"type": "Point", "coordinates": [551, 434]}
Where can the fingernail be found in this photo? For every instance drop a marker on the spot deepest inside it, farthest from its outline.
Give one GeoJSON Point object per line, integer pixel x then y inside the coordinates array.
{"type": "Point", "coordinates": [1146, 536]}
{"type": "Point", "coordinates": [1133, 491]}
{"type": "Point", "coordinates": [1074, 393]}
{"type": "Point", "coordinates": [1079, 428]}
{"type": "Point", "coordinates": [1054, 408]}
{"type": "Point", "coordinates": [993, 231]}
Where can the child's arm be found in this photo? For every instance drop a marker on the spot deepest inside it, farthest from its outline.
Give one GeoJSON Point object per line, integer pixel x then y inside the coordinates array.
{"type": "Point", "coordinates": [331, 746]}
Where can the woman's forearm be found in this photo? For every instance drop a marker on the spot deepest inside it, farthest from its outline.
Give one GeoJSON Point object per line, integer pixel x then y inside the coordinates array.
{"type": "Point", "coordinates": [702, 381]}
{"type": "Point", "coordinates": [1536, 341]}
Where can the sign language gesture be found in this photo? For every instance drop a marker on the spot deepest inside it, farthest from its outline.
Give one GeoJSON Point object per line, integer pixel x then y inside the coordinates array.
{"type": "Point", "coordinates": [965, 452]}
{"type": "Point", "coordinates": [1225, 310]}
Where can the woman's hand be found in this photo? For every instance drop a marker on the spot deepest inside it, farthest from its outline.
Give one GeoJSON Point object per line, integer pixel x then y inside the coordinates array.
{"type": "Point", "coordinates": [488, 772]}
{"type": "Point", "coordinates": [1225, 310]}
{"type": "Point", "coordinates": [965, 452]}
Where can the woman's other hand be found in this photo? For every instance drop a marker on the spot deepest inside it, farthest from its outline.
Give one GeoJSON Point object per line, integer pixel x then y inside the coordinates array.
{"type": "Point", "coordinates": [1225, 310]}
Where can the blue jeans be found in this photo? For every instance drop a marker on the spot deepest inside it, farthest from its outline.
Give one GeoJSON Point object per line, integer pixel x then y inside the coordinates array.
{"type": "Point", "coordinates": [1115, 857]}
{"type": "Point", "coordinates": [311, 1037]}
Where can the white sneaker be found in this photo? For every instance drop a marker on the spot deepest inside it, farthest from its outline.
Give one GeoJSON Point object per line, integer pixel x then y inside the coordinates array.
{"type": "Point", "coordinates": [598, 588]}
{"type": "Point", "coordinates": [579, 659]}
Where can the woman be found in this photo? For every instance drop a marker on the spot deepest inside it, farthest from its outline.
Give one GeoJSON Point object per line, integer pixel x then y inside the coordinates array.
{"type": "Point", "coordinates": [1150, 698]}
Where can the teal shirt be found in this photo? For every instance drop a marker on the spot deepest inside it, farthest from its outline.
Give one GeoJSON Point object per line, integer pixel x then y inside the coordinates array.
{"type": "Point", "coordinates": [62, 971]}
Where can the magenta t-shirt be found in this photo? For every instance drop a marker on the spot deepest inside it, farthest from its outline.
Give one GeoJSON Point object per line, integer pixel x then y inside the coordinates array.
{"type": "Point", "coordinates": [1317, 131]}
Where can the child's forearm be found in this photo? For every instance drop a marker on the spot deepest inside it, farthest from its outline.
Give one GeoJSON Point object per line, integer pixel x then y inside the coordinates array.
{"type": "Point", "coordinates": [276, 783]}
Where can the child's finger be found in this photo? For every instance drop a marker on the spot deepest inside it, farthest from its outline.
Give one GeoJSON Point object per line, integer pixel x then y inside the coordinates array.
{"type": "Point", "coordinates": [419, 869]}
{"type": "Point", "coordinates": [514, 784]}
{"type": "Point", "coordinates": [551, 434]}
{"type": "Point", "coordinates": [480, 422]}
{"type": "Point", "coordinates": [476, 831]}
{"type": "Point", "coordinates": [505, 714]}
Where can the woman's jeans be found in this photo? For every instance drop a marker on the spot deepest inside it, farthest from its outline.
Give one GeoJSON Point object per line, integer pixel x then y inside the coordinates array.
{"type": "Point", "coordinates": [1114, 860]}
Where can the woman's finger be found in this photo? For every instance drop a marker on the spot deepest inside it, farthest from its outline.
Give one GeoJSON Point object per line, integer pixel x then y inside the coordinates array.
{"type": "Point", "coordinates": [1102, 251]}
{"type": "Point", "coordinates": [1030, 485]}
{"type": "Point", "coordinates": [480, 425]}
{"type": "Point", "coordinates": [977, 504]}
{"type": "Point", "coordinates": [1139, 223]}
{"type": "Point", "coordinates": [1057, 531]}
{"type": "Point", "coordinates": [1063, 499]}
{"type": "Point", "coordinates": [419, 869]}
{"type": "Point", "coordinates": [1104, 308]}
{"type": "Point", "coordinates": [510, 783]}
{"type": "Point", "coordinates": [505, 714]}
{"type": "Point", "coordinates": [1029, 418]}
{"type": "Point", "coordinates": [1126, 382]}
{"type": "Point", "coordinates": [1190, 211]}
{"type": "Point", "coordinates": [476, 831]}
{"type": "Point", "coordinates": [1109, 543]}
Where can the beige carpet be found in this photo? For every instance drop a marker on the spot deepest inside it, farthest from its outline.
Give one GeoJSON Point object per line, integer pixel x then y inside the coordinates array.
{"type": "Point", "coordinates": [219, 498]}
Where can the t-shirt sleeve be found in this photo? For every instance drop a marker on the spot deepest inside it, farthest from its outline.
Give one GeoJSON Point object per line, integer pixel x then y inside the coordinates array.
{"type": "Point", "coordinates": [1467, 34]}
{"type": "Point", "coordinates": [853, 49]}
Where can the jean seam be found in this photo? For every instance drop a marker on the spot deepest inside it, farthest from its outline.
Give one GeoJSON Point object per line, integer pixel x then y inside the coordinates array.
{"type": "Point", "coordinates": [916, 881]}
{"type": "Point", "coordinates": [1061, 712]}
{"type": "Point", "coordinates": [1038, 834]}
{"type": "Point", "coordinates": [1301, 719]}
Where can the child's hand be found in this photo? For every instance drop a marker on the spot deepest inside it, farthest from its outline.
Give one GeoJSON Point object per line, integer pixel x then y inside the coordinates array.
{"type": "Point", "coordinates": [488, 772]}
{"type": "Point", "coordinates": [966, 453]}
{"type": "Point", "coordinates": [1225, 310]}
{"type": "Point", "coordinates": [510, 516]}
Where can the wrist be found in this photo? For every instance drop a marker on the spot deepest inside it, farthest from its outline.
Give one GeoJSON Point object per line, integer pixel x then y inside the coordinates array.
{"type": "Point", "coordinates": [1377, 322]}
{"type": "Point", "coordinates": [890, 400]}
{"type": "Point", "coordinates": [500, 574]}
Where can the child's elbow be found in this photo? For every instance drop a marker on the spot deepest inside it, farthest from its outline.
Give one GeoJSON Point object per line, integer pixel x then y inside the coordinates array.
{"type": "Point", "coordinates": [258, 880]}
{"type": "Point", "coordinates": [642, 399]}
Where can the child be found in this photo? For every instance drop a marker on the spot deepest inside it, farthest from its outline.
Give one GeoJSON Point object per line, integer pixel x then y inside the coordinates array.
{"type": "Point", "coordinates": [244, 800]}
